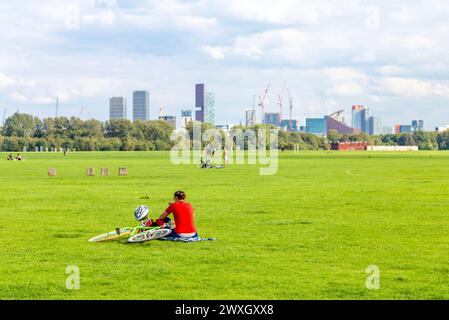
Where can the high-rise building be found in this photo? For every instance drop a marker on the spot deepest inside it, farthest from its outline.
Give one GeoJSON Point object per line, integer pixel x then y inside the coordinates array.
{"type": "Point", "coordinates": [250, 117]}
{"type": "Point", "coordinates": [405, 129]}
{"type": "Point", "coordinates": [316, 126]}
{"type": "Point", "coordinates": [204, 104]}
{"type": "Point", "coordinates": [169, 119]}
{"type": "Point", "coordinates": [186, 117]}
{"type": "Point", "coordinates": [417, 125]}
{"type": "Point", "coordinates": [118, 108]}
{"type": "Point", "coordinates": [402, 128]}
{"type": "Point", "coordinates": [141, 105]}
{"type": "Point", "coordinates": [273, 118]}
{"type": "Point", "coordinates": [359, 117]}
{"type": "Point", "coordinates": [200, 101]}
{"type": "Point", "coordinates": [374, 126]}
{"type": "Point", "coordinates": [290, 125]}
{"type": "Point", "coordinates": [209, 108]}
{"type": "Point", "coordinates": [335, 121]}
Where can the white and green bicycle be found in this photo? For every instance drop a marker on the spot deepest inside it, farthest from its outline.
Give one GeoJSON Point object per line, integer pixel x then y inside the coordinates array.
{"type": "Point", "coordinates": [137, 234]}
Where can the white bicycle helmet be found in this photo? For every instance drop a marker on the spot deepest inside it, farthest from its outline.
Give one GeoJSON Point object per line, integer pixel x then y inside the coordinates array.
{"type": "Point", "coordinates": [141, 213]}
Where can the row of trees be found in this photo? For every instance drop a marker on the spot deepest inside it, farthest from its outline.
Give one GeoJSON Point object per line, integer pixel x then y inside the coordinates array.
{"type": "Point", "coordinates": [423, 139]}
{"type": "Point", "coordinates": [23, 130]}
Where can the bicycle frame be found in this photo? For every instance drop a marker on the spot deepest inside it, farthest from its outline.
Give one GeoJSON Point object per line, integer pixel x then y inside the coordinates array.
{"type": "Point", "coordinates": [138, 229]}
{"type": "Point", "coordinates": [120, 233]}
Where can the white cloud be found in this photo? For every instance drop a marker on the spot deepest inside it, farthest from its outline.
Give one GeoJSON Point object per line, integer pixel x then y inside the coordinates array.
{"type": "Point", "coordinates": [393, 53]}
{"type": "Point", "coordinates": [105, 3]}
{"type": "Point", "coordinates": [18, 97]}
{"type": "Point", "coordinates": [391, 70]}
{"type": "Point", "coordinates": [163, 15]}
{"type": "Point", "coordinates": [345, 81]}
{"type": "Point", "coordinates": [42, 100]}
{"type": "Point", "coordinates": [412, 87]}
{"type": "Point", "coordinates": [103, 18]}
{"type": "Point", "coordinates": [73, 18]}
{"type": "Point", "coordinates": [217, 53]}
{"type": "Point", "coordinates": [195, 22]}
{"type": "Point", "coordinates": [6, 81]}
{"type": "Point", "coordinates": [345, 89]}
{"type": "Point", "coordinates": [283, 12]}
{"type": "Point", "coordinates": [281, 45]}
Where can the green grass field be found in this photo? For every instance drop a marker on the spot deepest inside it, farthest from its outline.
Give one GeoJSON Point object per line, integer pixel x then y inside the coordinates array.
{"type": "Point", "coordinates": [308, 232]}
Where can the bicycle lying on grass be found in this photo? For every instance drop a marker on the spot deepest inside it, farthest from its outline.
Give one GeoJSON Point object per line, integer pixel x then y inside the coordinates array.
{"type": "Point", "coordinates": [208, 165]}
{"type": "Point", "coordinates": [135, 235]}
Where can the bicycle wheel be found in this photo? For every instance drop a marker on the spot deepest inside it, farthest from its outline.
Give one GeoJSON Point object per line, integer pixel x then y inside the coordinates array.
{"type": "Point", "coordinates": [113, 235]}
{"type": "Point", "coordinates": [149, 235]}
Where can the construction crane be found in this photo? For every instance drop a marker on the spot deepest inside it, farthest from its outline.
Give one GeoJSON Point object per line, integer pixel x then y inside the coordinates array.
{"type": "Point", "coordinates": [262, 102]}
{"type": "Point", "coordinates": [161, 111]}
{"type": "Point", "coordinates": [57, 106]}
{"type": "Point", "coordinates": [280, 101]}
{"type": "Point", "coordinates": [162, 105]}
{"type": "Point", "coordinates": [291, 102]}
{"type": "Point", "coordinates": [80, 114]}
{"type": "Point", "coordinates": [253, 112]}
{"type": "Point", "coordinates": [4, 116]}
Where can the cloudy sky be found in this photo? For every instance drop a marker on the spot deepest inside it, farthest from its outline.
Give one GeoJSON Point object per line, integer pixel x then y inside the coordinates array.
{"type": "Point", "coordinates": [390, 55]}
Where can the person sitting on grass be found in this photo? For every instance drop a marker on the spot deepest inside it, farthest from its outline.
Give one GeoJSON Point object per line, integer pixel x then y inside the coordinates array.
{"type": "Point", "coordinates": [10, 157]}
{"type": "Point", "coordinates": [183, 215]}
{"type": "Point", "coordinates": [226, 157]}
{"type": "Point", "coordinates": [19, 157]}
{"type": "Point", "coordinates": [208, 155]}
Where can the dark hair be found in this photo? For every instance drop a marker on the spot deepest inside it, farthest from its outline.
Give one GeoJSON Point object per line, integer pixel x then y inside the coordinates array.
{"type": "Point", "coordinates": [181, 195]}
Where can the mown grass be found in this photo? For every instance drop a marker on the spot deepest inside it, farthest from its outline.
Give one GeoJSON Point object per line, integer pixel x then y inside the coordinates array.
{"type": "Point", "coordinates": [308, 232]}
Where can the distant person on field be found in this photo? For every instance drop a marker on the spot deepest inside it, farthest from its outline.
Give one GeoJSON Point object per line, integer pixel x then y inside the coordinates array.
{"type": "Point", "coordinates": [212, 156]}
{"type": "Point", "coordinates": [208, 154]}
{"type": "Point", "coordinates": [10, 157]}
{"type": "Point", "coordinates": [19, 157]}
{"type": "Point", "coordinates": [226, 156]}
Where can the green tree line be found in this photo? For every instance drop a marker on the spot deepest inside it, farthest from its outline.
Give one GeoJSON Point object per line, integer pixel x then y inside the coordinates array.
{"type": "Point", "coordinates": [24, 130]}
{"type": "Point", "coordinates": [425, 140]}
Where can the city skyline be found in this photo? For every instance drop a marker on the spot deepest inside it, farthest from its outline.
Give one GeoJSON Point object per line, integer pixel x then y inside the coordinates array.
{"type": "Point", "coordinates": [361, 119]}
{"type": "Point", "coordinates": [141, 111]}
{"type": "Point", "coordinates": [399, 66]}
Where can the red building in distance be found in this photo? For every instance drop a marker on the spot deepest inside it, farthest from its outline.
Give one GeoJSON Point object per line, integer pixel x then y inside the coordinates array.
{"type": "Point", "coordinates": [349, 146]}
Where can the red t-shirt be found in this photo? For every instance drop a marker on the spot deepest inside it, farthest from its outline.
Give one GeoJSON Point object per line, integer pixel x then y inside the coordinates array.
{"type": "Point", "coordinates": [184, 217]}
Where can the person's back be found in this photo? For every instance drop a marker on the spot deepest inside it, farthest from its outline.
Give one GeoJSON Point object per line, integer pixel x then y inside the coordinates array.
{"type": "Point", "coordinates": [183, 215]}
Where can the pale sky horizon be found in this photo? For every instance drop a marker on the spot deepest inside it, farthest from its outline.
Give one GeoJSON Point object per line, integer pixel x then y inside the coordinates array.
{"type": "Point", "coordinates": [392, 56]}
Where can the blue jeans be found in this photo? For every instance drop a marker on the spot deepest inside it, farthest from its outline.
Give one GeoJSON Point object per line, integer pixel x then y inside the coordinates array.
{"type": "Point", "coordinates": [173, 234]}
